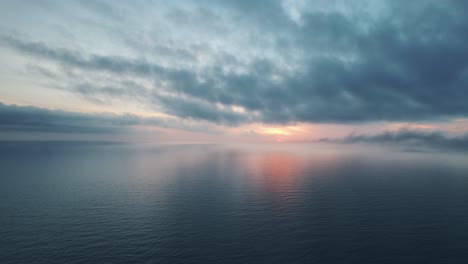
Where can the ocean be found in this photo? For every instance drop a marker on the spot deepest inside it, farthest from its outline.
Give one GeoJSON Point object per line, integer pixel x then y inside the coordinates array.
{"type": "Point", "coordinates": [105, 202]}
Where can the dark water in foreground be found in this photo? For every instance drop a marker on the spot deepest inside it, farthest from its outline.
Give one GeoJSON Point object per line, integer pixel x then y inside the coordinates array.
{"type": "Point", "coordinates": [116, 203]}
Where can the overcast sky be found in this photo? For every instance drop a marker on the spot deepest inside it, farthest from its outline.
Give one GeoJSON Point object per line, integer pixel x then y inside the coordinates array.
{"type": "Point", "coordinates": [286, 70]}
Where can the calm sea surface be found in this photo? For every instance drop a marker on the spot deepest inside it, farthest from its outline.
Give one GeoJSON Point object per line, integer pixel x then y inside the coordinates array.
{"type": "Point", "coordinates": [75, 202]}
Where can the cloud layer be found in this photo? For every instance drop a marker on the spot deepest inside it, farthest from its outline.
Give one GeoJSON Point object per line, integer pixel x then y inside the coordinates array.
{"type": "Point", "coordinates": [411, 139]}
{"type": "Point", "coordinates": [15, 118]}
{"type": "Point", "coordinates": [238, 62]}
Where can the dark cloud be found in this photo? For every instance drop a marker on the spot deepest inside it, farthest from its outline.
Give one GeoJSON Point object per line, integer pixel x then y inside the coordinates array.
{"type": "Point", "coordinates": [15, 118]}
{"type": "Point", "coordinates": [408, 63]}
{"type": "Point", "coordinates": [409, 139]}
{"type": "Point", "coordinates": [187, 108]}
{"type": "Point", "coordinates": [34, 119]}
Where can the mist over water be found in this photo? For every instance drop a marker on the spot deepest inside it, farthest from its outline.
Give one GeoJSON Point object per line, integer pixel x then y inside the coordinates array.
{"type": "Point", "coordinates": [90, 202]}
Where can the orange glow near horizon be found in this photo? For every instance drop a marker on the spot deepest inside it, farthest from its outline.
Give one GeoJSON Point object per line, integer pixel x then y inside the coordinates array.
{"type": "Point", "coordinates": [276, 131]}
{"type": "Point", "coordinates": [282, 134]}
{"type": "Point", "coordinates": [297, 133]}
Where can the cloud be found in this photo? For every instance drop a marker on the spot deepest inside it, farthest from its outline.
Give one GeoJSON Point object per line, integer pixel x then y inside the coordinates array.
{"type": "Point", "coordinates": [401, 62]}
{"type": "Point", "coordinates": [409, 139]}
{"type": "Point", "coordinates": [34, 119]}
{"type": "Point", "coordinates": [15, 118]}
{"type": "Point", "coordinates": [114, 64]}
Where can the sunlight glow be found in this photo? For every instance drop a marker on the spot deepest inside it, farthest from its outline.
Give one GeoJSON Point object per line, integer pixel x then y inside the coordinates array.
{"type": "Point", "coordinates": [276, 131]}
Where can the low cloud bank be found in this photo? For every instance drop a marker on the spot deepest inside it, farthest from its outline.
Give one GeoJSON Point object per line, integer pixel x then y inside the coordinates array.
{"type": "Point", "coordinates": [408, 138]}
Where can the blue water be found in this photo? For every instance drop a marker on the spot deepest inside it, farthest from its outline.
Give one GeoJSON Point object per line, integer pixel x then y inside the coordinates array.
{"type": "Point", "coordinates": [66, 202]}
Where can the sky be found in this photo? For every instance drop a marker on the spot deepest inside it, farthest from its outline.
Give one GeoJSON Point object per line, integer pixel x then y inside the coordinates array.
{"type": "Point", "coordinates": [235, 71]}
